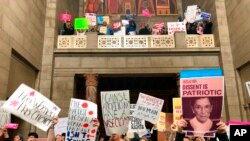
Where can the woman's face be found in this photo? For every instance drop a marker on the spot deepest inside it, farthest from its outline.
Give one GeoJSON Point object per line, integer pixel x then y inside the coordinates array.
{"type": "Point", "coordinates": [58, 138]}
{"type": "Point", "coordinates": [17, 138]}
{"type": "Point", "coordinates": [202, 109]}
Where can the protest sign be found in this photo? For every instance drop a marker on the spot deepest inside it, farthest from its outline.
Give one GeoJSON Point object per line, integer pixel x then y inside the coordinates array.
{"type": "Point", "coordinates": [11, 126]}
{"type": "Point", "coordinates": [177, 109]}
{"type": "Point", "coordinates": [190, 14]}
{"type": "Point", "coordinates": [163, 126]}
{"type": "Point", "coordinates": [161, 123]}
{"type": "Point", "coordinates": [81, 23]}
{"type": "Point", "coordinates": [4, 115]}
{"type": "Point", "coordinates": [135, 124]}
{"type": "Point", "coordinates": [65, 17]}
{"type": "Point", "coordinates": [148, 108]}
{"type": "Point", "coordinates": [99, 20]}
{"type": "Point", "coordinates": [103, 29]}
{"type": "Point", "coordinates": [205, 15]}
{"type": "Point", "coordinates": [32, 106]}
{"type": "Point", "coordinates": [91, 18]}
{"type": "Point", "coordinates": [61, 126]}
{"type": "Point", "coordinates": [202, 100]}
{"type": "Point", "coordinates": [106, 19]}
{"type": "Point", "coordinates": [176, 26]}
{"type": "Point", "coordinates": [146, 13]}
{"type": "Point", "coordinates": [81, 119]}
{"type": "Point", "coordinates": [248, 87]}
{"type": "Point", "coordinates": [116, 25]}
{"type": "Point", "coordinates": [115, 111]}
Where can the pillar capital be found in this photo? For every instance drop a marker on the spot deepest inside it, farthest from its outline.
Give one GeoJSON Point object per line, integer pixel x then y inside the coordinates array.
{"type": "Point", "coordinates": [91, 83]}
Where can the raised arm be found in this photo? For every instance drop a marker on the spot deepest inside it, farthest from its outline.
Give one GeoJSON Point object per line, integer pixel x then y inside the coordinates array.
{"type": "Point", "coordinates": [51, 134]}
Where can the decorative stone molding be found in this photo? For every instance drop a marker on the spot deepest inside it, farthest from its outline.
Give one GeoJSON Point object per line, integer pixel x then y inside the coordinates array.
{"type": "Point", "coordinates": [162, 41]}
{"type": "Point", "coordinates": [135, 41]}
{"type": "Point", "coordinates": [105, 41]}
{"type": "Point", "coordinates": [71, 41]}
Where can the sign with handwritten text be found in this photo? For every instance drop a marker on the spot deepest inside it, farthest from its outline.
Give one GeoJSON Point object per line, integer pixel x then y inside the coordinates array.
{"type": "Point", "coordinates": [115, 111]}
{"type": "Point", "coordinates": [148, 108]}
{"type": "Point", "coordinates": [135, 124]}
{"type": "Point", "coordinates": [177, 109]}
{"type": "Point", "coordinates": [32, 106]}
{"type": "Point", "coordinates": [4, 115]}
{"type": "Point", "coordinates": [176, 26]}
{"type": "Point", "coordinates": [61, 126]}
{"type": "Point", "coordinates": [81, 119]}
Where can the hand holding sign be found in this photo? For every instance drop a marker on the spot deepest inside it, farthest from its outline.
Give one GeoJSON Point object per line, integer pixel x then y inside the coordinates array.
{"type": "Point", "coordinates": [32, 106]}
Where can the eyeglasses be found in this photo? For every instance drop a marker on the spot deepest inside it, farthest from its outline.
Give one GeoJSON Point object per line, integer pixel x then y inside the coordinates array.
{"type": "Point", "coordinates": [205, 108]}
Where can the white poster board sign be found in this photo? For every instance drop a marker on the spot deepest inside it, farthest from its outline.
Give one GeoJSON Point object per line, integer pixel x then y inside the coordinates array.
{"type": "Point", "coordinates": [32, 106]}
{"type": "Point", "coordinates": [248, 87]}
{"type": "Point", "coordinates": [61, 126]}
{"type": "Point", "coordinates": [4, 115]}
{"type": "Point", "coordinates": [176, 26]}
{"type": "Point", "coordinates": [81, 119]}
{"type": "Point", "coordinates": [135, 124]}
{"type": "Point", "coordinates": [115, 111]}
{"type": "Point", "coordinates": [91, 18]}
{"type": "Point", "coordinates": [148, 108]}
{"type": "Point", "coordinates": [190, 14]}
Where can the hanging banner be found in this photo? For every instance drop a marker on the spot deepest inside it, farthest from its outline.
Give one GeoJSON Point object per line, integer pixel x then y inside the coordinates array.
{"type": "Point", "coordinates": [148, 108]}
{"type": "Point", "coordinates": [4, 115]}
{"type": "Point", "coordinates": [115, 111]}
{"type": "Point", "coordinates": [177, 109]}
{"type": "Point", "coordinates": [32, 106]}
{"type": "Point", "coordinates": [81, 119]}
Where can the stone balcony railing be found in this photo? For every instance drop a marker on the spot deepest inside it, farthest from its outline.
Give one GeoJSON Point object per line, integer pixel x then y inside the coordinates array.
{"type": "Point", "coordinates": [136, 41]}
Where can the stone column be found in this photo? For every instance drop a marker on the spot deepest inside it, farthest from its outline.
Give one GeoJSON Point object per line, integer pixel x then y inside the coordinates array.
{"type": "Point", "coordinates": [232, 104]}
{"type": "Point", "coordinates": [178, 83]}
{"type": "Point", "coordinates": [91, 87]}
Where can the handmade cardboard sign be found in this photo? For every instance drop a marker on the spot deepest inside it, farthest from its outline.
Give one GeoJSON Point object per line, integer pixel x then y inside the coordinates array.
{"type": "Point", "coordinates": [32, 106]}
{"type": "Point", "coordinates": [115, 111]}
{"type": "Point", "coordinates": [81, 121]}
{"type": "Point", "coordinates": [148, 108]}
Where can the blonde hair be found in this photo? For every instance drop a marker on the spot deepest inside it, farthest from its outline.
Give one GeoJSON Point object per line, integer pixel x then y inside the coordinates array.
{"type": "Point", "coordinates": [143, 139]}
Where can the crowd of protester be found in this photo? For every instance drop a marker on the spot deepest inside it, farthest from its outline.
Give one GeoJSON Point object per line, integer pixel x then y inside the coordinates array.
{"type": "Point", "coordinates": [199, 27]}
{"type": "Point", "coordinates": [177, 134]}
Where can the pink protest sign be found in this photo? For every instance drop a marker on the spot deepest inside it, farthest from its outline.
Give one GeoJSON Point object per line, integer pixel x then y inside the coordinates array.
{"type": "Point", "coordinates": [146, 13]}
{"type": "Point", "coordinates": [11, 125]}
{"type": "Point", "coordinates": [65, 17]}
{"type": "Point", "coordinates": [235, 122]}
{"type": "Point", "coordinates": [202, 101]}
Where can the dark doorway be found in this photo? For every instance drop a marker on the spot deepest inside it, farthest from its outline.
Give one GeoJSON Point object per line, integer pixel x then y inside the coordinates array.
{"type": "Point", "coordinates": [162, 86]}
{"type": "Point", "coordinates": [158, 85]}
